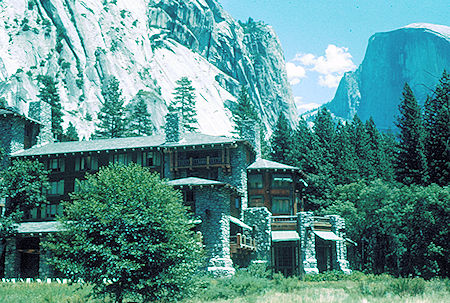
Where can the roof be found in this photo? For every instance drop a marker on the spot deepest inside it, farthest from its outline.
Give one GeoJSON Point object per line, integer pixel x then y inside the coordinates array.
{"type": "Point", "coordinates": [239, 223]}
{"type": "Point", "coordinates": [190, 139]}
{"type": "Point", "coordinates": [266, 164]}
{"type": "Point", "coordinates": [328, 235]}
{"type": "Point", "coordinates": [10, 111]}
{"type": "Point", "coordinates": [39, 227]}
{"type": "Point", "coordinates": [285, 235]}
{"type": "Point", "coordinates": [194, 181]}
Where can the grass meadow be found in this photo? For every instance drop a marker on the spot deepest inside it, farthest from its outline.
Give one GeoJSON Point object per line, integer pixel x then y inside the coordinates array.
{"type": "Point", "coordinates": [256, 287]}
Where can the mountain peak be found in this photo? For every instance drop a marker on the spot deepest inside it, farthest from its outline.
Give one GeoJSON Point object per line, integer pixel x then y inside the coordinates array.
{"type": "Point", "coordinates": [441, 30]}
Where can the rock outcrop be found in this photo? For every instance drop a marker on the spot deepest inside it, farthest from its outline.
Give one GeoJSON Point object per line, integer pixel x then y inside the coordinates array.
{"type": "Point", "coordinates": [417, 54]}
{"type": "Point", "coordinates": [147, 45]}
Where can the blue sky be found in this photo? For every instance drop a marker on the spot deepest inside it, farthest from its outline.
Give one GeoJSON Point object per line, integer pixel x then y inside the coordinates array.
{"type": "Point", "coordinates": [322, 39]}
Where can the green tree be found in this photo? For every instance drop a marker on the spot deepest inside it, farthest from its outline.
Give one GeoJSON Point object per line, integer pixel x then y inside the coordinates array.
{"type": "Point", "coordinates": [245, 110]}
{"type": "Point", "coordinates": [378, 156]}
{"type": "Point", "coordinates": [71, 133]}
{"type": "Point", "coordinates": [184, 102]}
{"type": "Point", "coordinates": [112, 115]}
{"type": "Point", "coordinates": [140, 121]}
{"type": "Point", "coordinates": [346, 164]}
{"type": "Point", "coordinates": [360, 141]}
{"type": "Point", "coordinates": [281, 141]}
{"type": "Point", "coordinates": [437, 129]}
{"type": "Point", "coordinates": [411, 165]}
{"type": "Point", "coordinates": [23, 185]}
{"type": "Point", "coordinates": [48, 93]}
{"type": "Point", "coordinates": [127, 227]}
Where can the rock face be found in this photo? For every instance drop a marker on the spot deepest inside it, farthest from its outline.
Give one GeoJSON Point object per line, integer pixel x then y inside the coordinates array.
{"type": "Point", "coordinates": [417, 54]}
{"type": "Point", "coordinates": [147, 45]}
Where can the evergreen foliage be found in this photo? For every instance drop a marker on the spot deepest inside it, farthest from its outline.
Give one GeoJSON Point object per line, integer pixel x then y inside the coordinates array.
{"type": "Point", "coordinates": [245, 110]}
{"type": "Point", "coordinates": [127, 227]}
{"type": "Point", "coordinates": [112, 115]}
{"type": "Point", "coordinates": [48, 93]}
{"type": "Point", "coordinates": [71, 133]}
{"type": "Point", "coordinates": [184, 102]}
{"type": "Point", "coordinates": [140, 120]}
{"type": "Point", "coordinates": [411, 166]}
{"type": "Point", "coordinates": [437, 129]}
{"type": "Point", "coordinates": [281, 141]}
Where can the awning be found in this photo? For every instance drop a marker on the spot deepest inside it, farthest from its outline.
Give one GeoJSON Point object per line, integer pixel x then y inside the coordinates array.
{"type": "Point", "coordinates": [328, 235]}
{"type": "Point", "coordinates": [39, 227]}
{"type": "Point", "coordinates": [284, 235]}
{"type": "Point", "coordinates": [239, 223]}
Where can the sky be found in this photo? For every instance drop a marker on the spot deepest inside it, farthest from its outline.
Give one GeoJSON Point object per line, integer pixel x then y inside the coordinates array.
{"type": "Point", "coordinates": [322, 39]}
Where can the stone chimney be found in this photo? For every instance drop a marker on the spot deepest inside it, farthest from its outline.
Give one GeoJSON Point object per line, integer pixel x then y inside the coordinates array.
{"type": "Point", "coordinates": [250, 131]}
{"type": "Point", "coordinates": [172, 127]}
{"type": "Point", "coordinates": [42, 112]}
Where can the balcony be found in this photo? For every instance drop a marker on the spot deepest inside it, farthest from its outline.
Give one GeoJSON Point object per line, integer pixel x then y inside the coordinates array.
{"type": "Point", "coordinates": [200, 162]}
{"type": "Point", "coordinates": [283, 222]}
{"type": "Point", "coordinates": [322, 223]}
{"type": "Point", "coordinates": [242, 243]}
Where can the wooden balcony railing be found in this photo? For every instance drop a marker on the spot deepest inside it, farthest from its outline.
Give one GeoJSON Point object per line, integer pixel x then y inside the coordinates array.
{"type": "Point", "coordinates": [283, 222]}
{"type": "Point", "coordinates": [200, 162]}
{"type": "Point", "coordinates": [322, 223]}
{"type": "Point", "coordinates": [241, 243]}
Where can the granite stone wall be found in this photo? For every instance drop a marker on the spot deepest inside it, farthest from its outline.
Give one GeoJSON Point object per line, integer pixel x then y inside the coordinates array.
{"type": "Point", "coordinates": [340, 254]}
{"type": "Point", "coordinates": [212, 205]}
{"type": "Point", "coordinates": [250, 131]}
{"type": "Point", "coordinates": [12, 130]}
{"type": "Point", "coordinates": [42, 112]}
{"type": "Point", "coordinates": [308, 261]}
{"type": "Point", "coordinates": [259, 218]}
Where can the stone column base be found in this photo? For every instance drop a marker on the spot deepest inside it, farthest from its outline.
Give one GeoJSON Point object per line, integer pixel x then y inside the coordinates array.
{"type": "Point", "coordinates": [344, 266]}
{"type": "Point", "coordinates": [310, 266]}
{"type": "Point", "coordinates": [221, 267]}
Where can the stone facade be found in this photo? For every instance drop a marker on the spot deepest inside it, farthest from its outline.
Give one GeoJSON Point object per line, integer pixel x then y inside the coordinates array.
{"type": "Point", "coordinates": [212, 205]}
{"type": "Point", "coordinates": [12, 129]}
{"type": "Point", "coordinates": [340, 257]}
{"type": "Point", "coordinates": [42, 112]}
{"type": "Point", "coordinates": [259, 219]}
{"type": "Point", "coordinates": [308, 261]}
{"type": "Point", "coordinates": [250, 131]}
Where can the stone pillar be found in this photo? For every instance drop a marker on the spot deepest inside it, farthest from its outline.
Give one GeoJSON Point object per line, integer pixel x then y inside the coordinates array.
{"type": "Point", "coordinates": [213, 206]}
{"type": "Point", "coordinates": [340, 254]}
{"type": "Point", "coordinates": [308, 261]}
{"type": "Point", "coordinates": [45, 269]}
{"type": "Point", "coordinates": [42, 112]}
{"type": "Point", "coordinates": [250, 131]}
{"type": "Point", "coordinates": [259, 217]}
{"type": "Point", "coordinates": [172, 128]}
{"type": "Point", "coordinates": [12, 259]}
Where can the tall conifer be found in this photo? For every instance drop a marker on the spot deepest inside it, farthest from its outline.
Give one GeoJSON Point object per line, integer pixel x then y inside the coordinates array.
{"type": "Point", "coordinates": [140, 121]}
{"type": "Point", "coordinates": [281, 141]}
{"type": "Point", "coordinates": [411, 165]}
{"type": "Point", "coordinates": [48, 93]}
{"type": "Point", "coordinates": [184, 102]}
{"type": "Point", "coordinates": [437, 129]}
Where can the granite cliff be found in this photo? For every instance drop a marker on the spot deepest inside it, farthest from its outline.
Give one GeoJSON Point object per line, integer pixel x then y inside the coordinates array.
{"type": "Point", "coordinates": [147, 45]}
{"type": "Point", "coordinates": [417, 54]}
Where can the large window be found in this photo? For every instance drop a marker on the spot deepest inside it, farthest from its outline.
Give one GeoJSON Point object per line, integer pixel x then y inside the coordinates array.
{"type": "Point", "coordinates": [78, 185]}
{"type": "Point", "coordinates": [120, 159]}
{"type": "Point", "coordinates": [86, 163]}
{"type": "Point", "coordinates": [281, 181]}
{"type": "Point", "coordinates": [281, 205]}
{"type": "Point", "coordinates": [55, 165]}
{"type": "Point", "coordinates": [56, 188]}
{"type": "Point", "coordinates": [255, 181]}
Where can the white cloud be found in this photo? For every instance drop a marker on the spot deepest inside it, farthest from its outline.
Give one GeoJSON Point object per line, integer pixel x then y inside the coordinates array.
{"type": "Point", "coordinates": [331, 67]}
{"type": "Point", "coordinates": [295, 73]}
{"type": "Point", "coordinates": [302, 106]}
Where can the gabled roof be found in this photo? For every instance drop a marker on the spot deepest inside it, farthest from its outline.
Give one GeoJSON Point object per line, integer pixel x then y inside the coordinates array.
{"type": "Point", "coordinates": [266, 164]}
{"type": "Point", "coordinates": [190, 139]}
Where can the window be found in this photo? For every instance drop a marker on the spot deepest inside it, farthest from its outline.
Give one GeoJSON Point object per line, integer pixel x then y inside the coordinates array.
{"type": "Point", "coordinates": [55, 165]}
{"type": "Point", "coordinates": [256, 201]}
{"type": "Point", "coordinates": [281, 181]}
{"type": "Point", "coordinates": [78, 185]}
{"type": "Point", "coordinates": [120, 159]}
{"type": "Point", "coordinates": [255, 181]}
{"type": "Point", "coordinates": [148, 159]}
{"type": "Point", "coordinates": [86, 163]}
{"type": "Point", "coordinates": [189, 199]}
{"type": "Point", "coordinates": [56, 188]}
{"type": "Point", "coordinates": [281, 205]}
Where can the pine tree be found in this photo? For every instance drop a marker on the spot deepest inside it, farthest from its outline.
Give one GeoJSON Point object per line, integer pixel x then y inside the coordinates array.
{"type": "Point", "coordinates": [112, 116]}
{"type": "Point", "coordinates": [245, 110]}
{"type": "Point", "coordinates": [437, 129]}
{"type": "Point", "coordinates": [48, 93]}
{"type": "Point", "coordinates": [281, 141]}
{"type": "Point", "coordinates": [378, 157]}
{"type": "Point", "coordinates": [140, 122]}
{"type": "Point", "coordinates": [360, 142]}
{"type": "Point", "coordinates": [301, 153]}
{"type": "Point", "coordinates": [411, 166]}
{"type": "Point", "coordinates": [71, 133]}
{"type": "Point", "coordinates": [346, 169]}
{"type": "Point", "coordinates": [184, 102]}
